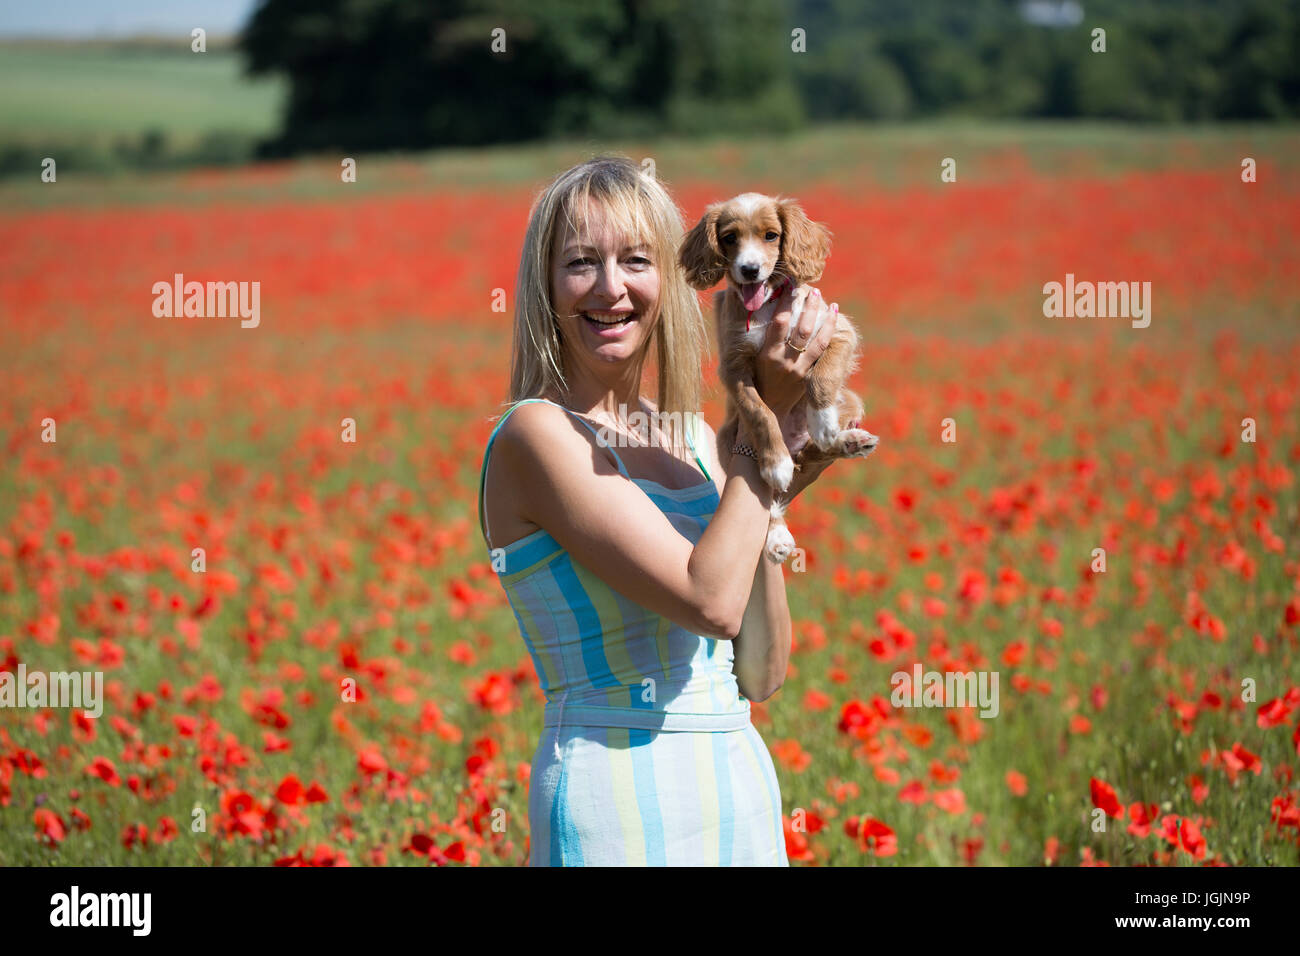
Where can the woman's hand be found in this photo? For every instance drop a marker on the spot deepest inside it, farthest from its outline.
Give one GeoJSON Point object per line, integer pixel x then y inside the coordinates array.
{"type": "Point", "coordinates": [781, 368]}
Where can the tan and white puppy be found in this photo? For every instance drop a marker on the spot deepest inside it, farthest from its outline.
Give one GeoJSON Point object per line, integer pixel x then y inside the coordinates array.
{"type": "Point", "coordinates": [759, 243]}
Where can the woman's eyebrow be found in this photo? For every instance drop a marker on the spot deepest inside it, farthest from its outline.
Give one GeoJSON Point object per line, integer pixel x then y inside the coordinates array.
{"type": "Point", "coordinates": [573, 246]}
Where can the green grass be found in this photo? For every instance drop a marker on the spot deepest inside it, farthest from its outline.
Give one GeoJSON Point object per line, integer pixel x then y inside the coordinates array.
{"type": "Point", "coordinates": [892, 156]}
{"type": "Point", "coordinates": [61, 91]}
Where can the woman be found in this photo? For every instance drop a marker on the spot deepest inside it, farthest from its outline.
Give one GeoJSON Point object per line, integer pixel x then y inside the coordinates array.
{"type": "Point", "coordinates": [634, 568]}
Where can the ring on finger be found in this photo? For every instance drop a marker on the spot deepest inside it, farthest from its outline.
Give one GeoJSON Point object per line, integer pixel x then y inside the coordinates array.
{"type": "Point", "coordinates": [790, 342]}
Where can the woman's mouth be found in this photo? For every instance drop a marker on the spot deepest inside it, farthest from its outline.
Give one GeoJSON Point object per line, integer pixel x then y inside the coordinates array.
{"type": "Point", "coordinates": [609, 321]}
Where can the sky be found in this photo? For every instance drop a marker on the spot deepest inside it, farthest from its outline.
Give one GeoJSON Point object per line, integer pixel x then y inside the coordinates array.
{"type": "Point", "coordinates": [103, 18]}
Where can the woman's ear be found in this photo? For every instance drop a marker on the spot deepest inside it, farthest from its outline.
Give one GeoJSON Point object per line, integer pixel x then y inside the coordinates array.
{"type": "Point", "coordinates": [805, 244]}
{"type": "Point", "coordinates": [699, 254]}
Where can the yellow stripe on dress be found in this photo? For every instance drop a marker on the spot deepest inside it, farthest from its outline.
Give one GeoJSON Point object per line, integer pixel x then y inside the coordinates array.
{"type": "Point", "coordinates": [706, 776]}
{"type": "Point", "coordinates": [619, 746]}
{"type": "Point", "coordinates": [551, 673]}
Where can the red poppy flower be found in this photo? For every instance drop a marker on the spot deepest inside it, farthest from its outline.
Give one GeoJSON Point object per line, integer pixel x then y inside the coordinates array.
{"type": "Point", "coordinates": [1104, 798]}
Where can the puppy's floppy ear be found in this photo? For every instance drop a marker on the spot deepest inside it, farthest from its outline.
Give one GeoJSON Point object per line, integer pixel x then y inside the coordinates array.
{"type": "Point", "coordinates": [700, 255]}
{"type": "Point", "coordinates": [804, 244]}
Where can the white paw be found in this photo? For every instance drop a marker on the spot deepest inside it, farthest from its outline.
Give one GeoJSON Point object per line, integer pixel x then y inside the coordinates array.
{"type": "Point", "coordinates": [823, 426]}
{"type": "Point", "coordinates": [780, 476]}
{"type": "Point", "coordinates": [779, 543]}
{"type": "Point", "coordinates": [859, 443]}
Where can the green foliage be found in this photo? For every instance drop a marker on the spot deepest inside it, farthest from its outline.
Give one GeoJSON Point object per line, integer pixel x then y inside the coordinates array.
{"type": "Point", "coordinates": [1165, 60]}
{"type": "Point", "coordinates": [380, 74]}
{"type": "Point", "coordinates": [408, 74]}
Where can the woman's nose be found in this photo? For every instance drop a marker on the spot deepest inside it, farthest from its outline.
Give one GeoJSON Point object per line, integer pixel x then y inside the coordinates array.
{"type": "Point", "coordinates": [612, 282]}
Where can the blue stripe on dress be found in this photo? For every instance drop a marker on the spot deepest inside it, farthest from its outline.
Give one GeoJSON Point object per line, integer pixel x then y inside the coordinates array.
{"type": "Point", "coordinates": [562, 832]}
{"type": "Point", "coordinates": [692, 509]}
{"type": "Point", "coordinates": [575, 598]}
{"type": "Point", "coordinates": [529, 552]}
{"type": "Point", "coordinates": [652, 823]}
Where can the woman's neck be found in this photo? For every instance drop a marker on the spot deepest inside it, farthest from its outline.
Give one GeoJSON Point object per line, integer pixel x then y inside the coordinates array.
{"type": "Point", "coordinates": [613, 400]}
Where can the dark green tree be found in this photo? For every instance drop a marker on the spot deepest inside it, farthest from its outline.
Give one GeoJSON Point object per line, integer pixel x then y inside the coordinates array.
{"type": "Point", "coordinates": [384, 74]}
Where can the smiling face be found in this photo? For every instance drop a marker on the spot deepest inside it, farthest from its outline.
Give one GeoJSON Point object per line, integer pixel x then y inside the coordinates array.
{"type": "Point", "coordinates": [604, 289]}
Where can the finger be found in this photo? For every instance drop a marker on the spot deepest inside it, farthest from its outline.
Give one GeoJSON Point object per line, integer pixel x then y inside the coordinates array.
{"type": "Point", "coordinates": [812, 307]}
{"type": "Point", "coordinates": [779, 328]}
{"type": "Point", "coordinates": [798, 334]}
{"type": "Point", "coordinates": [819, 342]}
{"type": "Point", "coordinates": [827, 331]}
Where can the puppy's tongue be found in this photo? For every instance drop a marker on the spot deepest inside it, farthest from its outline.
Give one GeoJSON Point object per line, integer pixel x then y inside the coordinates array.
{"type": "Point", "coordinates": [751, 293]}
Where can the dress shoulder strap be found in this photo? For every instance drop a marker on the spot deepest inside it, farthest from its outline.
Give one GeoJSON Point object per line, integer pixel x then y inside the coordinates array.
{"type": "Point", "coordinates": [697, 426]}
{"type": "Point", "coordinates": [482, 477]}
{"type": "Point", "coordinates": [604, 443]}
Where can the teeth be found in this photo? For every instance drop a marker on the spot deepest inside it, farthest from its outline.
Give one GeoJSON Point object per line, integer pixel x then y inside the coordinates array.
{"type": "Point", "coordinates": [609, 320]}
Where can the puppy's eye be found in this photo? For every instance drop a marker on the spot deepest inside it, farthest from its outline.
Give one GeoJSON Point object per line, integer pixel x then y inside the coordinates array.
{"type": "Point", "coordinates": [772, 236]}
{"type": "Point", "coordinates": [729, 239]}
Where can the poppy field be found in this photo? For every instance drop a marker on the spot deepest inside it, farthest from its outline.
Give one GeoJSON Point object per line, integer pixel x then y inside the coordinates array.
{"type": "Point", "coordinates": [306, 656]}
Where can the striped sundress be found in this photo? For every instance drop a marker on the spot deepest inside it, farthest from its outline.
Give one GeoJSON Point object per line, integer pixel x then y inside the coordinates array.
{"type": "Point", "coordinates": [647, 754]}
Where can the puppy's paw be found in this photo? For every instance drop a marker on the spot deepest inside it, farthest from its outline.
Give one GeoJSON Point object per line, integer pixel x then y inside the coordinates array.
{"type": "Point", "coordinates": [823, 427]}
{"type": "Point", "coordinates": [780, 474]}
{"type": "Point", "coordinates": [779, 543]}
{"type": "Point", "coordinates": [858, 442]}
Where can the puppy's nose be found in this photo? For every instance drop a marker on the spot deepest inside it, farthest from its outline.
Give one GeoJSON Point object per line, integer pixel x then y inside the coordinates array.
{"type": "Point", "coordinates": [749, 273]}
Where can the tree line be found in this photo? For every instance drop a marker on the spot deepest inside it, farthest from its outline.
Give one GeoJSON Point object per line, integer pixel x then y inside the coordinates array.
{"type": "Point", "coordinates": [410, 74]}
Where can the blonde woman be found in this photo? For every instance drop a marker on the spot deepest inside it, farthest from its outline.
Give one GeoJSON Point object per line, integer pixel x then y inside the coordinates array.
{"type": "Point", "coordinates": [632, 556]}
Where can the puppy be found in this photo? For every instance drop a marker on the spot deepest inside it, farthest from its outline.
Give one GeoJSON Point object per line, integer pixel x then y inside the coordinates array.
{"type": "Point", "coordinates": [760, 243]}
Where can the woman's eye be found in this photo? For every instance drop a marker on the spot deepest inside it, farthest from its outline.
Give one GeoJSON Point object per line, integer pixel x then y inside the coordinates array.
{"type": "Point", "coordinates": [639, 261]}
{"type": "Point", "coordinates": [584, 261]}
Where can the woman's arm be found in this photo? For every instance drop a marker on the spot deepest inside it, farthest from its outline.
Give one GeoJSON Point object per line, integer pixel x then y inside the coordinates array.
{"type": "Point", "coordinates": [549, 466]}
{"type": "Point", "coordinates": [762, 649]}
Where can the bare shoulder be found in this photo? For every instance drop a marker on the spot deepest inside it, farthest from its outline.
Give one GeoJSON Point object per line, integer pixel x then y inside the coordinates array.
{"type": "Point", "coordinates": [537, 434]}
{"type": "Point", "coordinates": [540, 441]}
{"type": "Point", "coordinates": [529, 423]}
{"type": "Point", "coordinates": [533, 454]}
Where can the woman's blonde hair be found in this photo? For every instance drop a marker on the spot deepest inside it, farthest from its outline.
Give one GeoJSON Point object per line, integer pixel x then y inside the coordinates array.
{"type": "Point", "coordinates": [639, 208]}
